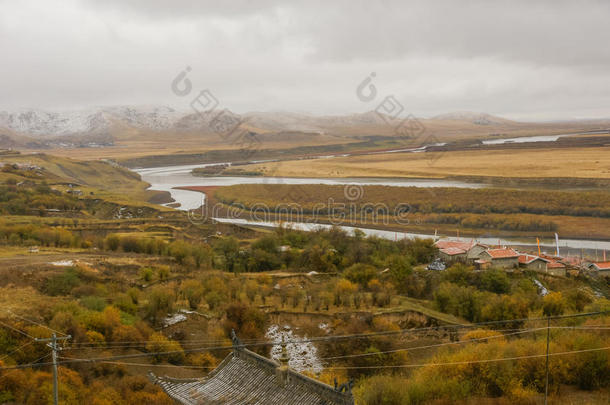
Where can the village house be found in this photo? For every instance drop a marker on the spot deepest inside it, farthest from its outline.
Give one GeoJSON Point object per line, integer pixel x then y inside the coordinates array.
{"type": "Point", "coordinates": [602, 268]}
{"type": "Point", "coordinates": [535, 263]}
{"type": "Point", "coordinates": [556, 268]}
{"type": "Point", "coordinates": [452, 255]}
{"type": "Point", "coordinates": [245, 377]}
{"type": "Point", "coordinates": [504, 258]}
{"type": "Point", "coordinates": [457, 251]}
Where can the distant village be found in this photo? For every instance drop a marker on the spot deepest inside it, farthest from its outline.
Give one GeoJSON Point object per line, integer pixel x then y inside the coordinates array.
{"type": "Point", "coordinates": [483, 257]}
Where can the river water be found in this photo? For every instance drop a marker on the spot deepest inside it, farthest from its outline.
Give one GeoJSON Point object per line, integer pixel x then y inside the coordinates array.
{"type": "Point", "coordinates": [566, 246]}
{"type": "Point", "coordinates": [169, 177]}
{"type": "Point", "coordinates": [538, 138]}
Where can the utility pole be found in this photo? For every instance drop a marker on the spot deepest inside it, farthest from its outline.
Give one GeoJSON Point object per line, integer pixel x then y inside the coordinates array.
{"type": "Point", "coordinates": [53, 345]}
{"type": "Point", "coordinates": [548, 338]}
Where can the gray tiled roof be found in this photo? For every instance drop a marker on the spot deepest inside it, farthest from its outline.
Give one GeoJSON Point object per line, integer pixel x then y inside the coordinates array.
{"type": "Point", "coordinates": [247, 378]}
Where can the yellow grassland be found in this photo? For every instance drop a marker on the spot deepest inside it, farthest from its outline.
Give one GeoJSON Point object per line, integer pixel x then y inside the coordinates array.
{"type": "Point", "coordinates": [523, 163]}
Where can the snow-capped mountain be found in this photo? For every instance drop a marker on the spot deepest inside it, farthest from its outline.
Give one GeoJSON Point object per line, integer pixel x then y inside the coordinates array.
{"type": "Point", "coordinates": [42, 124]}
{"type": "Point", "coordinates": [106, 125]}
{"type": "Point", "coordinates": [156, 118]}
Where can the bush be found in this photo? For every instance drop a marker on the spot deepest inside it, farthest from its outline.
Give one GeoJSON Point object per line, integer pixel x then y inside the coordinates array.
{"type": "Point", "coordinates": [127, 334]}
{"type": "Point", "coordinates": [125, 303]}
{"type": "Point", "coordinates": [62, 284]}
{"type": "Point", "coordinates": [160, 303]}
{"type": "Point", "coordinates": [193, 291]}
{"type": "Point", "coordinates": [553, 304]}
{"type": "Point", "coordinates": [248, 322]}
{"type": "Point", "coordinates": [112, 242]}
{"type": "Point", "coordinates": [159, 344]}
{"type": "Point", "coordinates": [400, 271]}
{"type": "Point", "coordinates": [95, 337]}
{"type": "Point", "coordinates": [360, 273]}
{"type": "Point", "coordinates": [146, 274]}
{"type": "Point", "coordinates": [383, 390]}
{"type": "Point", "coordinates": [495, 281]}
{"type": "Point", "coordinates": [93, 303]}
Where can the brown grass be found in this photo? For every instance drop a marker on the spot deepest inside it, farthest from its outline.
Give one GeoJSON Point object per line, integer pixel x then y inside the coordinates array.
{"type": "Point", "coordinates": [525, 163]}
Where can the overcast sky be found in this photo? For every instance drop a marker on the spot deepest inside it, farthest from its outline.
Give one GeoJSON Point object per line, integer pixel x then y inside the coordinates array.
{"type": "Point", "coordinates": [533, 60]}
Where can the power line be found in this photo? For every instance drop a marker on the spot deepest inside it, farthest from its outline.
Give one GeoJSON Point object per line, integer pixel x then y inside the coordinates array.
{"type": "Point", "coordinates": [431, 346]}
{"type": "Point", "coordinates": [17, 349]}
{"type": "Point", "coordinates": [17, 330]}
{"type": "Point", "coordinates": [455, 343]}
{"type": "Point", "coordinates": [401, 331]}
{"type": "Point", "coordinates": [150, 365]}
{"type": "Point", "coordinates": [429, 328]}
{"type": "Point", "coordinates": [32, 364]}
{"type": "Point", "coordinates": [110, 360]}
{"type": "Point", "coordinates": [298, 341]}
{"type": "Point", "coordinates": [457, 363]}
{"type": "Point", "coordinates": [136, 343]}
{"type": "Point", "coordinates": [35, 323]}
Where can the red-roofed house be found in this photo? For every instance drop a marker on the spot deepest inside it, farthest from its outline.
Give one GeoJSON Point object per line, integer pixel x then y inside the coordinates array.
{"type": "Point", "coordinates": [602, 267]}
{"type": "Point", "coordinates": [452, 254]}
{"type": "Point", "coordinates": [443, 244]}
{"type": "Point", "coordinates": [452, 251]}
{"type": "Point", "coordinates": [556, 268]}
{"type": "Point", "coordinates": [503, 258]}
{"type": "Point", "coordinates": [531, 262]}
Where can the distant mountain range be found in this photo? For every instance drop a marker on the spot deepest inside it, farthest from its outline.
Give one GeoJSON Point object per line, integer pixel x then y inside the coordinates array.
{"type": "Point", "coordinates": [47, 124]}
{"type": "Point", "coordinates": [102, 126]}
{"type": "Point", "coordinates": [473, 117]}
{"type": "Point", "coordinates": [96, 127]}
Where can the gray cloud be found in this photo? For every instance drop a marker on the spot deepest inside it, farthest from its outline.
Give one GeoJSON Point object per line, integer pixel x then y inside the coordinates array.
{"type": "Point", "coordinates": [521, 59]}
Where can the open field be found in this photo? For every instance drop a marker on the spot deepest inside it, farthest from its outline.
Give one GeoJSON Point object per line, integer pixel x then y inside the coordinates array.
{"type": "Point", "coordinates": [143, 144]}
{"type": "Point", "coordinates": [145, 147]}
{"type": "Point", "coordinates": [472, 212]}
{"type": "Point", "coordinates": [523, 163]}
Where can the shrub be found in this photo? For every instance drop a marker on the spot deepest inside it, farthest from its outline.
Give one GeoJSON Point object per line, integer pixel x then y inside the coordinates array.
{"type": "Point", "coordinates": [62, 284]}
{"type": "Point", "coordinates": [383, 390]}
{"type": "Point", "coordinates": [248, 322]}
{"type": "Point", "coordinates": [112, 242]}
{"type": "Point", "coordinates": [360, 273]}
{"type": "Point", "coordinates": [193, 291]}
{"type": "Point", "coordinates": [205, 359]}
{"type": "Point", "coordinates": [146, 274]}
{"type": "Point", "coordinates": [400, 270]}
{"type": "Point", "coordinates": [125, 303]}
{"type": "Point", "coordinates": [553, 304]}
{"type": "Point", "coordinates": [159, 345]}
{"type": "Point", "coordinates": [95, 337]}
{"type": "Point", "coordinates": [93, 303]}
{"type": "Point", "coordinates": [160, 303]}
{"type": "Point", "coordinates": [127, 334]}
{"type": "Point", "coordinates": [495, 281]}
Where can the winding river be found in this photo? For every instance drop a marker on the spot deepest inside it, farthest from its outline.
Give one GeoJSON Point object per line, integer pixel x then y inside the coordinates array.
{"type": "Point", "coordinates": [169, 177]}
